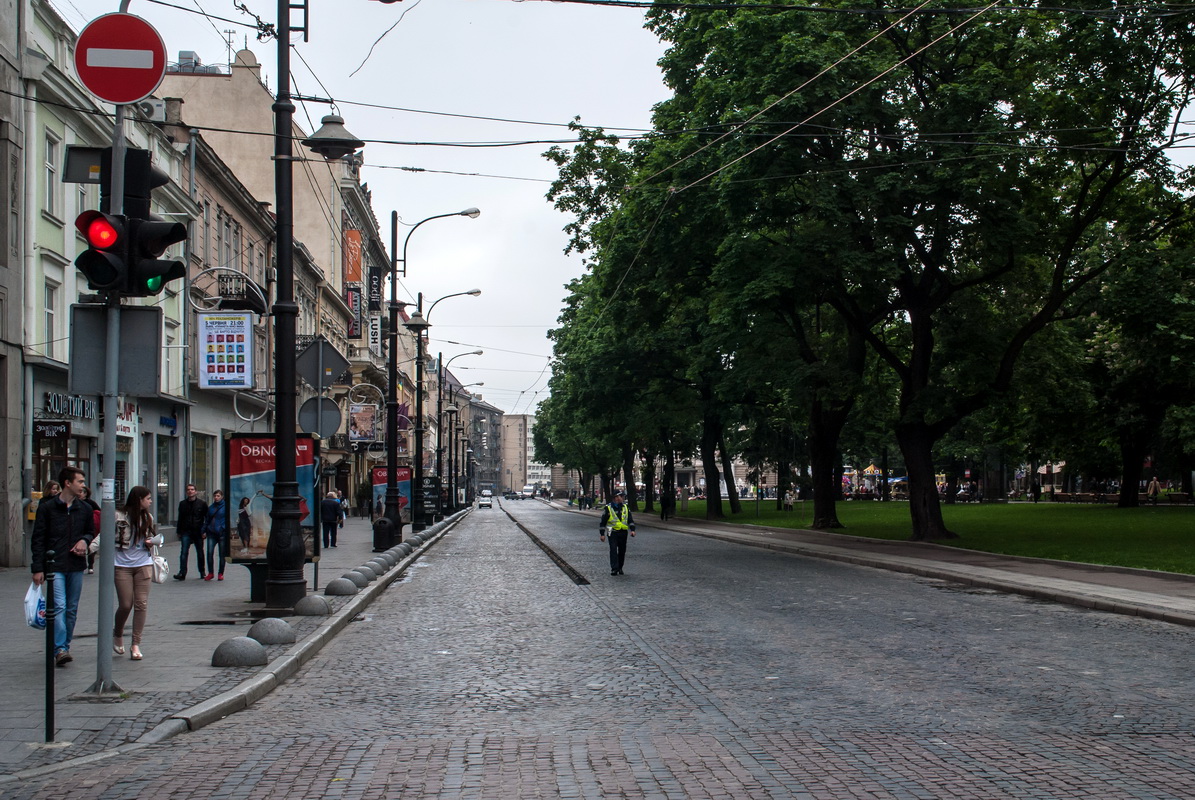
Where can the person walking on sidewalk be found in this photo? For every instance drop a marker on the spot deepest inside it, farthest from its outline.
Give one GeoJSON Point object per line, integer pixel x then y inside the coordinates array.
{"type": "Point", "coordinates": [617, 516]}
{"type": "Point", "coordinates": [64, 524]}
{"type": "Point", "coordinates": [215, 530]}
{"type": "Point", "coordinates": [331, 513]}
{"type": "Point", "coordinates": [192, 514]}
{"type": "Point", "coordinates": [134, 563]}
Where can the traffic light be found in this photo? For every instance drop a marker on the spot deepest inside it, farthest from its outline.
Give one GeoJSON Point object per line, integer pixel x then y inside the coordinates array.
{"type": "Point", "coordinates": [105, 261]}
{"type": "Point", "coordinates": [147, 273]}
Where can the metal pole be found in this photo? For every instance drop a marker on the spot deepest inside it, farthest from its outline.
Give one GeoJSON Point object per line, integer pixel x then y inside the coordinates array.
{"type": "Point", "coordinates": [51, 613]}
{"type": "Point", "coordinates": [388, 535]}
{"type": "Point", "coordinates": [285, 583]}
{"type": "Point", "coordinates": [417, 521]}
{"type": "Point", "coordinates": [440, 504]}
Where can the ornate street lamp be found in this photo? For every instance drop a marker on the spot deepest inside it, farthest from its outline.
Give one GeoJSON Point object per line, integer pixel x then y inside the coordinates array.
{"type": "Point", "coordinates": [442, 368]}
{"type": "Point", "coordinates": [387, 530]}
{"type": "Point", "coordinates": [285, 582]}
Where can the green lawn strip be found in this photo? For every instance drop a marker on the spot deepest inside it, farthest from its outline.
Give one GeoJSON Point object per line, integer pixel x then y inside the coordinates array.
{"type": "Point", "coordinates": [1161, 538]}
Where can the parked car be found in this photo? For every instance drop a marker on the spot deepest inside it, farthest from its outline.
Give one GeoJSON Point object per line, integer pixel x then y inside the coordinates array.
{"type": "Point", "coordinates": [485, 501]}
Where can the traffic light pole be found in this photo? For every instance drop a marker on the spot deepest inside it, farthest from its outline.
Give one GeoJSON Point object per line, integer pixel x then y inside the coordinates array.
{"type": "Point", "coordinates": [106, 603]}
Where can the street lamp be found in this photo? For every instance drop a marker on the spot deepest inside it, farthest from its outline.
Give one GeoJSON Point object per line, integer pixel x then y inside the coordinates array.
{"type": "Point", "coordinates": [440, 412]}
{"type": "Point", "coordinates": [285, 582]}
{"type": "Point", "coordinates": [451, 411]}
{"type": "Point", "coordinates": [387, 530]}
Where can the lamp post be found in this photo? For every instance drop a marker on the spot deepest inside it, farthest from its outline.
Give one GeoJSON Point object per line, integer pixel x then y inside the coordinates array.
{"type": "Point", "coordinates": [285, 582]}
{"type": "Point", "coordinates": [442, 367]}
{"type": "Point", "coordinates": [451, 411]}
{"type": "Point", "coordinates": [387, 530]}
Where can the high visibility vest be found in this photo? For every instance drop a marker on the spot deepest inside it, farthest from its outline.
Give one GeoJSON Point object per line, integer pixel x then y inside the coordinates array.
{"type": "Point", "coordinates": [617, 522]}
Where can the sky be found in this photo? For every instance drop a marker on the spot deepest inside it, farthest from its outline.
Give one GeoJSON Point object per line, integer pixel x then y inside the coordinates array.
{"type": "Point", "coordinates": [530, 61]}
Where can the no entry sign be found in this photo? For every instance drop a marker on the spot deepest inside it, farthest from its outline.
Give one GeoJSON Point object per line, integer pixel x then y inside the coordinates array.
{"type": "Point", "coordinates": [120, 58]}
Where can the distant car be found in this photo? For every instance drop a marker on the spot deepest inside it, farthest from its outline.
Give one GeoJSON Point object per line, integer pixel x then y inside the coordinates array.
{"type": "Point", "coordinates": [485, 501]}
{"type": "Point", "coordinates": [486, 493]}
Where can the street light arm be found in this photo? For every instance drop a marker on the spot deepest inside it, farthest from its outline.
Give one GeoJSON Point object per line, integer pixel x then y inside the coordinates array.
{"type": "Point", "coordinates": [471, 213]}
{"type": "Point", "coordinates": [472, 292]}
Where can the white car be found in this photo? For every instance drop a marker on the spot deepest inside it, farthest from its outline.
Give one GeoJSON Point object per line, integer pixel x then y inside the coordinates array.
{"type": "Point", "coordinates": [485, 502]}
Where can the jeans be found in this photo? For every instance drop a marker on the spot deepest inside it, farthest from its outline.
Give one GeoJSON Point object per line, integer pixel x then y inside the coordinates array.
{"type": "Point", "coordinates": [187, 540]}
{"type": "Point", "coordinates": [68, 586]}
{"type": "Point", "coordinates": [216, 541]}
{"type": "Point", "coordinates": [330, 532]}
{"type": "Point", "coordinates": [618, 548]}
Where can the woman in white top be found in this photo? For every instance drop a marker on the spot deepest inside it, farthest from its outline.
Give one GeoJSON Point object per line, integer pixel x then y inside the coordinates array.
{"type": "Point", "coordinates": [134, 567]}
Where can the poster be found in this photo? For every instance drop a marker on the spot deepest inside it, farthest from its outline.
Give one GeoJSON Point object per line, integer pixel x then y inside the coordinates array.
{"type": "Point", "coordinates": [404, 490]}
{"type": "Point", "coordinates": [251, 485]}
{"type": "Point", "coordinates": [363, 422]}
{"type": "Point", "coordinates": [225, 350]}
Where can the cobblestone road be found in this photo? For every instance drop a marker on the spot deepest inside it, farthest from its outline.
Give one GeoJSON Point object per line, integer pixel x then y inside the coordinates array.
{"type": "Point", "coordinates": [709, 670]}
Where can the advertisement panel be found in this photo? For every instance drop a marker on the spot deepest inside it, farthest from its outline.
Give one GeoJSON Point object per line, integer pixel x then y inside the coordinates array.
{"type": "Point", "coordinates": [404, 489]}
{"type": "Point", "coordinates": [352, 256]}
{"type": "Point", "coordinates": [373, 288]}
{"type": "Point", "coordinates": [225, 350]}
{"type": "Point", "coordinates": [363, 422]}
{"type": "Point", "coordinates": [251, 487]}
{"type": "Point", "coordinates": [352, 296]}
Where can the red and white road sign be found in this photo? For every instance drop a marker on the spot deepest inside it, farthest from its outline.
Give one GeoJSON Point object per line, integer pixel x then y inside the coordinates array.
{"type": "Point", "coordinates": [120, 58]}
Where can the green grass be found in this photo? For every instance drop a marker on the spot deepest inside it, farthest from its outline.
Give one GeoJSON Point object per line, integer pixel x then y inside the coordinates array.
{"type": "Point", "coordinates": [1161, 538]}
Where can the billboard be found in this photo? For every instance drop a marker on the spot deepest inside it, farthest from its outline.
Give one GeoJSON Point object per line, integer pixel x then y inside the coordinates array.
{"type": "Point", "coordinates": [225, 350]}
{"type": "Point", "coordinates": [251, 487]}
{"type": "Point", "coordinates": [404, 490]}
{"type": "Point", "coordinates": [363, 422]}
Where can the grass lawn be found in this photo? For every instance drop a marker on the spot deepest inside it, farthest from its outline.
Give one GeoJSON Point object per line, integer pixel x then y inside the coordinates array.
{"type": "Point", "coordinates": [1161, 537]}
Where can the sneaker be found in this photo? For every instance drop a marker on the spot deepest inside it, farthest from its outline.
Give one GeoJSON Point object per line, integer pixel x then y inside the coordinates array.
{"type": "Point", "coordinates": [220, 577]}
{"type": "Point", "coordinates": [180, 577]}
{"type": "Point", "coordinates": [62, 658]}
{"type": "Point", "coordinates": [209, 577]}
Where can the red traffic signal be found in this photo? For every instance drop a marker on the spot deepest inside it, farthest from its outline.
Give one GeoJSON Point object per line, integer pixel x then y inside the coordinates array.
{"type": "Point", "coordinates": [105, 261]}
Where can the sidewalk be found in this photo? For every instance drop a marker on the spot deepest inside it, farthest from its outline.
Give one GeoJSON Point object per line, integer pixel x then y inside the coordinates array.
{"type": "Point", "coordinates": [1164, 596]}
{"type": "Point", "coordinates": [187, 621]}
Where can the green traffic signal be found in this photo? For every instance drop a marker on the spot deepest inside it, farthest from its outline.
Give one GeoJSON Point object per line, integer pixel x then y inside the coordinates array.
{"type": "Point", "coordinates": [148, 239]}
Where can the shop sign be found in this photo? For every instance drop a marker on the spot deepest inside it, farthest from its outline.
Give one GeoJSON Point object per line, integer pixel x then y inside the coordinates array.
{"type": "Point", "coordinates": [43, 429]}
{"type": "Point", "coordinates": [71, 405]}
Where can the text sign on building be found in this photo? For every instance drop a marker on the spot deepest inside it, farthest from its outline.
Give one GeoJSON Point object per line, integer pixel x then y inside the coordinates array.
{"type": "Point", "coordinates": [375, 335]}
{"type": "Point", "coordinates": [120, 58]}
{"type": "Point", "coordinates": [352, 296]}
{"type": "Point", "coordinates": [225, 351]}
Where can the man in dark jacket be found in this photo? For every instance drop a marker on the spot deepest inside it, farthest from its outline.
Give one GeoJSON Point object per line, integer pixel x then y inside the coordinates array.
{"type": "Point", "coordinates": [192, 514]}
{"type": "Point", "coordinates": [64, 524]}
{"type": "Point", "coordinates": [331, 512]}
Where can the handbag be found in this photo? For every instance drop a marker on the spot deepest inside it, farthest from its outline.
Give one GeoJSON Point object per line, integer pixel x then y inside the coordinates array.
{"type": "Point", "coordinates": [161, 568]}
{"type": "Point", "coordinates": [35, 606]}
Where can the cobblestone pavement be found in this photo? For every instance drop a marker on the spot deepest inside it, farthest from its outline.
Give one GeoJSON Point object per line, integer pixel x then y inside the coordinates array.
{"type": "Point", "coordinates": [709, 670]}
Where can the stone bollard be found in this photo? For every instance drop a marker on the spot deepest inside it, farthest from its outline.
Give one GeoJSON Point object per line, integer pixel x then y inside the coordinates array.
{"type": "Point", "coordinates": [240, 651]}
{"type": "Point", "coordinates": [358, 579]}
{"type": "Point", "coordinates": [369, 572]}
{"type": "Point", "coordinates": [272, 630]}
{"type": "Point", "coordinates": [341, 587]}
{"type": "Point", "coordinates": [313, 605]}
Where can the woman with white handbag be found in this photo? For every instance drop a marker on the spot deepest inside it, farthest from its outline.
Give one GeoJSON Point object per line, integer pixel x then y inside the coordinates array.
{"type": "Point", "coordinates": [136, 541]}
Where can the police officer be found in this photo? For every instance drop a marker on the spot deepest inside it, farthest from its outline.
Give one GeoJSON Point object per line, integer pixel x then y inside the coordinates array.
{"type": "Point", "coordinates": [617, 516]}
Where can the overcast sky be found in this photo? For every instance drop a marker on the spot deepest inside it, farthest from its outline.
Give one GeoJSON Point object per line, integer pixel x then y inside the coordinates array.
{"type": "Point", "coordinates": [533, 61]}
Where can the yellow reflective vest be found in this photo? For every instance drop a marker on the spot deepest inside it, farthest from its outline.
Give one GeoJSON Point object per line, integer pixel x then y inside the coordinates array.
{"type": "Point", "coordinates": [618, 520]}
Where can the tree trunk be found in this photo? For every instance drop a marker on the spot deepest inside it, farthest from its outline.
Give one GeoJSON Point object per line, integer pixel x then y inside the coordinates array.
{"type": "Point", "coordinates": [916, 443]}
{"type": "Point", "coordinates": [1132, 467]}
{"type": "Point", "coordinates": [628, 477]}
{"type": "Point", "coordinates": [825, 428]}
{"type": "Point", "coordinates": [732, 490]}
{"type": "Point", "coordinates": [668, 501]}
{"type": "Point", "coordinates": [711, 432]}
{"type": "Point", "coordinates": [649, 481]}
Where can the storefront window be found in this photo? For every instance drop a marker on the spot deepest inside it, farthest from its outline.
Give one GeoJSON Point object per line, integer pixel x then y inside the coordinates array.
{"type": "Point", "coordinates": [165, 479]}
{"type": "Point", "coordinates": [203, 472]}
{"type": "Point", "coordinates": [51, 455]}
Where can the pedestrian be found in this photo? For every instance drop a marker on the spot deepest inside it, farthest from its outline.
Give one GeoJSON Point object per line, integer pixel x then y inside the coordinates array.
{"type": "Point", "coordinates": [95, 521]}
{"type": "Point", "coordinates": [65, 525]}
{"type": "Point", "coordinates": [1035, 491]}
{"type": "Point", "coordinates": [617, 517]}
{"type": "Point", "coordinates": [134, 562]}
{"type": "Point", "coordinates": [215, 530]}
{"type": "Point", "coordinates": [244, 523]}
{"type": "Point", "coordinates": [192, 514]}
{"type": "Point", "coordinates": [1153, 490]}
{"type": "Point", "coordinates": [331, 513]}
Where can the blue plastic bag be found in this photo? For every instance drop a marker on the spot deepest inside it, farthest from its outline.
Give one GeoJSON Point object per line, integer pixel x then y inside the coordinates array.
{"type": "Point", "coordinates": [35, 606]}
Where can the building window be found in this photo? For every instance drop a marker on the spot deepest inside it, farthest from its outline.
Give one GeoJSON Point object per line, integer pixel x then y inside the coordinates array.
{"type": "Point", "coordinates": [51, 309]}
{"type": "Point", "coordinates": [219, 238]}
{"type": "Point", "coordinates": [226, 255]}
{"type": "Point", "coordinates": [236, 248]}
{"type": "Point", "coordinates": [52, 187]}
{"type": "Point", "coordinates": [207, 232]}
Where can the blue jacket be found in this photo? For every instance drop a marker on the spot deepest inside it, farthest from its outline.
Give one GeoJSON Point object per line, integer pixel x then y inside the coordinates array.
{"type": "Point", "coordinates": [217, 518]}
